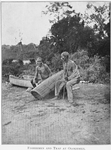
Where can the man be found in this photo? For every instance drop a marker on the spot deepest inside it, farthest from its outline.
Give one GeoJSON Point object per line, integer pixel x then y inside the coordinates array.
{"type": "Point", "coordinates": [42, 72]}
{"type": "Point", "coordinates": [71, 77]}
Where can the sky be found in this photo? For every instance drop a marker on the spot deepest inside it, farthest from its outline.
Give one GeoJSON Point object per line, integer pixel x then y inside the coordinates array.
{"type": "Point", "coordinates": [25, 20]}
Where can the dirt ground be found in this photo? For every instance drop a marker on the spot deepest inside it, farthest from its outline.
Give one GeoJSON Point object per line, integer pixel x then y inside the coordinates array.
{"type": "Point", "coordinates": [26, 120]}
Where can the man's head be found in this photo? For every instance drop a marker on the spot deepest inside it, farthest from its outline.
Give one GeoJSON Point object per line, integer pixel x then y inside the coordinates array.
{"type": "Point", "coordinates": [65, 56]}
{"type": "Point", "coordinates": [39, 61]}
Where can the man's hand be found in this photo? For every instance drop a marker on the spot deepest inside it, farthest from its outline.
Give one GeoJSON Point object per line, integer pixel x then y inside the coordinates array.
{"type": "Point", "coordinates": [39, 81]}
{"type": "Point", "coordinates": [34, 81]}
{"type": "Point", "coordinates": [66, 78]}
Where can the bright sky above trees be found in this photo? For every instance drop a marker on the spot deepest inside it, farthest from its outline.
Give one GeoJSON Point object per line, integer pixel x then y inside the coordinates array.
{"type": "Point", "coordinates": [25, 20]}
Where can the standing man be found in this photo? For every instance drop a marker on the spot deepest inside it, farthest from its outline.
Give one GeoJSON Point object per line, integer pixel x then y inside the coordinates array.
{"type": "Point", "coordinates": [42, 72]}
{"type": "Point", "coordinates": [71, 76]}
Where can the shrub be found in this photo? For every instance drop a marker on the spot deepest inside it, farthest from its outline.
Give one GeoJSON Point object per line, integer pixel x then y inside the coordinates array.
{"type": "Point", "coordinates": [32, 61]}
{"type": "Point", "coordinates": [56, 63]}
{"type": "Point", "coordinates": [11, 70]}
{"type": "Point", "coordinates": [91, 69]}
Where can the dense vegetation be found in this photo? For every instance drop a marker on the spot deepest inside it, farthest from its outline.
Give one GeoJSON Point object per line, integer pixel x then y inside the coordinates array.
{"type": "Point", "coordinates": [85, 36]}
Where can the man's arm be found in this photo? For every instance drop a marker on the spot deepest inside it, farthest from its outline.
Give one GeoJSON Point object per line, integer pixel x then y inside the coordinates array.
{"type": "Point", "coordinates": [75, 71]}
{"type": "Point", "coordinates": [65, 75]}
{"type": "Point", "coordinates": [48, 70]}
{"type": "Point", "coordinates": [36, 75]}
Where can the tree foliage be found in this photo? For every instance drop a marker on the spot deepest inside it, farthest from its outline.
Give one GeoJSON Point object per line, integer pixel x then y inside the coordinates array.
{"type": "Point", "coordinates": [69, 34]}
{"type": "Point", "coordinates": [100, 21]}
{"type": "Point", "coordinates": [99, 17]}
{"type": "Point", "coordinates": [57, 10]}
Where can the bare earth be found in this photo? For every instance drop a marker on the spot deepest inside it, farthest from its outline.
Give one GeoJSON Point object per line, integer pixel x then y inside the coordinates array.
{"type": "Point", "coordinates": [28, 121]}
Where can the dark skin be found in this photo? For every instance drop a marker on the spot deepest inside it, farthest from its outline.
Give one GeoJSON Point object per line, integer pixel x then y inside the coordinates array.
{"type": "Point", "coordinates": [39, 63]}
{"type": "Point", "coordinates": [70, 68]}
{"type": "Point", "coordinates": [65, 60]}
{"type": "Point", "coordinates": [40, 67]}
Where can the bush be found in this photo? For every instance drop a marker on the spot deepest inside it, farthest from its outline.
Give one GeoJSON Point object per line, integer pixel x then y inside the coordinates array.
{"type": "Point", "coordinates": [11, 70]}
{"type": "Point", "coordinates": [29, 69]}
{"type": "Point", "coordinates": [56, 63]}
{"type": "Point", "coordinates": [32, 61]}
{"type": "Point", "coordinates": [97, 71]}
{"type": "Point", "coordinates": [17, 70]}
{"type": "Point", "coordinates": [91, 69]}
{"type": "Point", "coordinates": [7, 61]}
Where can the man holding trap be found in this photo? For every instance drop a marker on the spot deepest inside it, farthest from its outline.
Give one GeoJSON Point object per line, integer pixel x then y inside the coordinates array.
{"type": "Point", "coordinates": [42, 72]}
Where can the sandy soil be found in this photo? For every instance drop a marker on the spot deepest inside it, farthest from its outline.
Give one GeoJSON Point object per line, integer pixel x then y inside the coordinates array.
{"type": "Point", "coordinates": [28, 121]}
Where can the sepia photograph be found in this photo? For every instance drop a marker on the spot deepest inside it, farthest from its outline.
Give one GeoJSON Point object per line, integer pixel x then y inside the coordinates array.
{"type": "Point", "coordinates": [55, 62]}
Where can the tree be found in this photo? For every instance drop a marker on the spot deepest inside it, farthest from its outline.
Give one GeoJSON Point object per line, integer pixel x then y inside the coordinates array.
{"type": "Point", "coordinates": [100, 22]}
{"type": "Point", "coordinates": [68, 31]}
{"type": "Point", "coordinates": [45, 49]}
{"type": "Point", "coordinates": [98, 18]}
{"type": "Point", "coordinates": [57, 10]}
{"type": "Point", "coordinates": [69, 34]}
